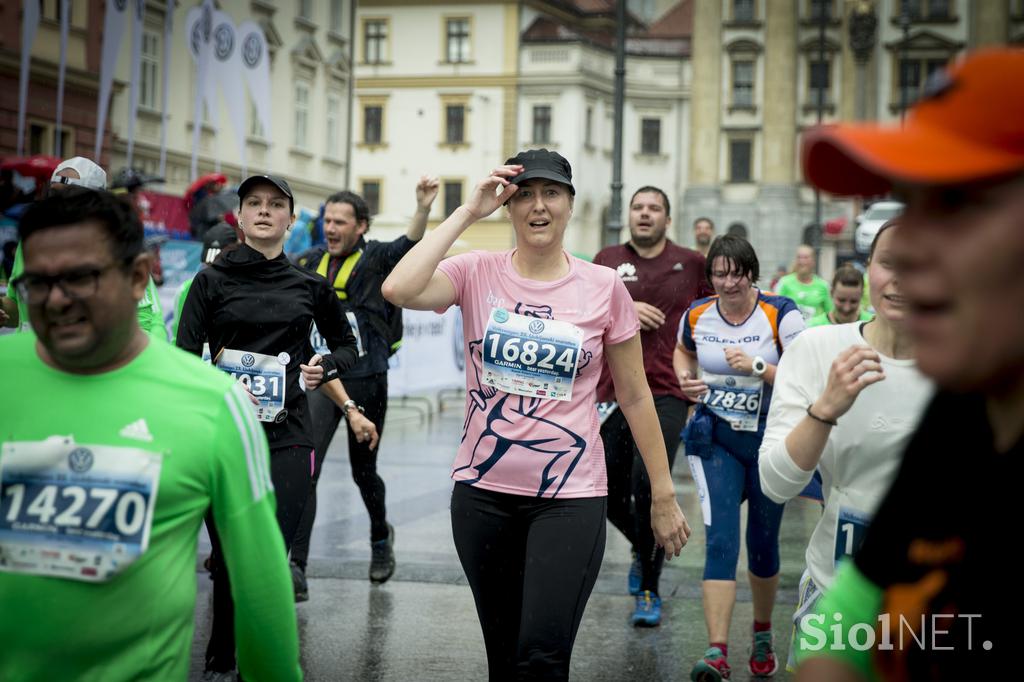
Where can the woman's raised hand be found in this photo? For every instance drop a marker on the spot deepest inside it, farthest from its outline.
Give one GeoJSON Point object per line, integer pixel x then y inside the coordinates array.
{"type": "Point", "coordinates": [852, 371]}
{"type": "Point", "coordinates": [486, 199]}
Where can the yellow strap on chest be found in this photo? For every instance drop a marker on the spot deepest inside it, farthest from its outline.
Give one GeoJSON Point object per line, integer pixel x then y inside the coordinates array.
{"type": "Point", "coordinates": [344, 272]}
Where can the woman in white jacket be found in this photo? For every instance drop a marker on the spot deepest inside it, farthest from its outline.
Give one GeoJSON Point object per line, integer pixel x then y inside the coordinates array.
{"type": "Point", "coordinates": [847, 399]}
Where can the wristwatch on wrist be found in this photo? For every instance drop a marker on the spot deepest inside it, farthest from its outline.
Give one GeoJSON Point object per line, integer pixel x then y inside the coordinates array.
{"type": "Point", "coordinates": [759, 366]}
{"type": "Point", "coordinates": [350, 405]}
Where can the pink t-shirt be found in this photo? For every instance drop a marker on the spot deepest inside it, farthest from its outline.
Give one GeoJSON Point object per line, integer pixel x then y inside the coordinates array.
{"type": "Point", "coordinates": [535, 446]}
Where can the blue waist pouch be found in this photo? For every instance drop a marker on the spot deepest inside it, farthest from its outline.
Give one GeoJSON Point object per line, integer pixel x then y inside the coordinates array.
{"type": "Point", "coordinates": [697, 432]}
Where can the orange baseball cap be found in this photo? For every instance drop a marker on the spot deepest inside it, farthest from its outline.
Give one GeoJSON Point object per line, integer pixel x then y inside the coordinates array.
{"type": "Point", "coordinates": [968, 126]}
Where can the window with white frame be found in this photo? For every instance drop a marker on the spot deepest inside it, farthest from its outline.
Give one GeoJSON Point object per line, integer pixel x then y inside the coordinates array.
{"type": "Point", "coordinates": [452, 196]}
{"type": "Point", "coordinates": [820, 9]}
{"type": "Point", "coordinates": [255, 125]}
{"type": "Point", "coordinates": [149, 70]}
{"type": "Point", "coordinates": [457, 32]}
{"type": "Point", "coordinates": [650, 136]}
{"type": "Point", "coordinates": [542, 124]}
{"type": "Point", "coordinates": [333, 120]}
{"type": "Point", "coordinates": [743, 10]}
{"type": "Point", "coordinates": [370, 191]}
{"type": "Point", "coordinates": [455, 123]}
{"type": "Point", "coordinates": [375, 41]}
{"type": "Point", "coordinates": [819, 81]}
{"type": "Point", "coordinates": [373, 124]}
{"type": "Point", "coordinates": [743, 83]}
{"type": "Point", "coordinates": [337, 15]}
{"type": "Point", "coordinates": [913, 74]}
{"type": "Point", "coordinates": [926, 10]}
{"type": "Point", "coordinates": [301, 127]}
{"type": "Point", "coordinates": [741, 157]}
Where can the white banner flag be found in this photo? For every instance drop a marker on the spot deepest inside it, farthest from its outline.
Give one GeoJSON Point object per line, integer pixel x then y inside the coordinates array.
{"type": "Point", "coordinates": [165, 83]}
{"type": "Point", "coordinates": [65, 24]}
{"type": "Point", "coordinates": [29, 25]}
{"type": "Point", "coordinates": [256, 67]}
{"type": "Point", "coordinates": [199, 34]}
{"type": "Point", "coordinates": [136, 75]}
{"type": "Point", "coordinates": [113, 31]}
{"type": "Point", "coordinates": [227, 66]}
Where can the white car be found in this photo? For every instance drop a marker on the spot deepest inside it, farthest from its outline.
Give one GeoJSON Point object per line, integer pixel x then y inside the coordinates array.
{"type": "Point", "coordinates": [871, 220]}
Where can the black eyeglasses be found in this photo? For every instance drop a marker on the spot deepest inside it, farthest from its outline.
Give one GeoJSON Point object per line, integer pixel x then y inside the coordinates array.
{"type": "Point", "coordinates": [76, 284]}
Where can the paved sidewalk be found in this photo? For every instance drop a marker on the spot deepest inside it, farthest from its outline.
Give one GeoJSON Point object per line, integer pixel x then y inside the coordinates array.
{"type": "Point", "coordinates": [422, 624]}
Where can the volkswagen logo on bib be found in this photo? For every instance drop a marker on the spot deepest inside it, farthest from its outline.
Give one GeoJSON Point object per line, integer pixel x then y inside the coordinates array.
{"type": "Point", "coordinates": [536, 327]}
{"type": "Point", "coordinates": [729, 381]}
{"type": "Point", "coordinates": [80, 460]}
{"type": "Point", "coordinates": [248, 360]}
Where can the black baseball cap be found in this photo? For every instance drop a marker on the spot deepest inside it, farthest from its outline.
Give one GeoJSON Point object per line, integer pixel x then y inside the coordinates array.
{"type": "Point", "coordinates": [132, 179]}
{"type": "Point", "coordinates": [276, 181]}
{"type": "Point", "coordinates": [542, 163]}
{"type": "Point", "coordinates": [216, 238]}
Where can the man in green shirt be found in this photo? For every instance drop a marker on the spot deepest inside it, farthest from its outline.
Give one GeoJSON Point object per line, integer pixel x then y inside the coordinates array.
{"type": "Point", "coordinates": [114, 452]}
{"type": "Point", "coordinates": [807, 289]}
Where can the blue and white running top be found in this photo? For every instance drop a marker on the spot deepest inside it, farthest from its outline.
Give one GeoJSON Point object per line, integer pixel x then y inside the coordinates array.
{"type": "Point", "coordinates": [739, 398]}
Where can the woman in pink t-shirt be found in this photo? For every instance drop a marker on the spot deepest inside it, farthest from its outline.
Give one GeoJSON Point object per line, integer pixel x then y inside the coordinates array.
{"type": "Point", "coordinates": [528, 507]}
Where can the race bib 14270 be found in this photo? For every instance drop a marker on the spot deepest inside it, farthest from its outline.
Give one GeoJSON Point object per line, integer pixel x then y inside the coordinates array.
{"type": "Point", "coordinates": [76, 511]}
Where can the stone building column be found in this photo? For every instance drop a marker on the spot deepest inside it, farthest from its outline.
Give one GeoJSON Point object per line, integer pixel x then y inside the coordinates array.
{"type": "Point", "coordinates": [780, 96]}
{"type": "Point", "coordinates": [990, 23]}
{"type": "Point", "coordinates": [702, 195]}
{"type": "Point", "coordinates": [705, 92]}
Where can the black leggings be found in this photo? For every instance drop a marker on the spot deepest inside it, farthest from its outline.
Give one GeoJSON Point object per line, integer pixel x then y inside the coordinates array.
{"type": "Point", "coordinates": [629, 488]}
{"type": "Point", "coordinates": [532, 564]}
{"type": "Point", "coordinates": [372, 394]}
{"type": "Point", "coordinates": [290, 471]}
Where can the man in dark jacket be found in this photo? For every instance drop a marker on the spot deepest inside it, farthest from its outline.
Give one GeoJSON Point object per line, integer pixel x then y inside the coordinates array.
{"type": "Point", "coordinates": [356, 268]}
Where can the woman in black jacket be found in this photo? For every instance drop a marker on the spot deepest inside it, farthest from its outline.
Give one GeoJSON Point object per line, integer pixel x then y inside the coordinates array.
{"type": "Point", "coordinates": [255, 309]}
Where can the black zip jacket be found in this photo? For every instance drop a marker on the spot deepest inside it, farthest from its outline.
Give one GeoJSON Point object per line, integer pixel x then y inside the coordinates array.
{"type": "Point", "coordinates": [248, 303]}
{"type": "Point", "coordinates": [364, 297]}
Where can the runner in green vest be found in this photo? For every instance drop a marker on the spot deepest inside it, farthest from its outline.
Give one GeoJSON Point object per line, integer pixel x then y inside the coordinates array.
{"type": "Point", "coordinates": [847, 293]}
{"type": "Point", "coordinates": [807, 289]}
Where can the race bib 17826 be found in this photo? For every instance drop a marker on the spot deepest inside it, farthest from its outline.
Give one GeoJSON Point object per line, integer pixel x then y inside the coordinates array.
{"type": "Point", "coordinates": [76, 511]}
{"type": "Point", "coordinates": [736, 399]}
{"type": "Point", "coordinates": [529, 356]}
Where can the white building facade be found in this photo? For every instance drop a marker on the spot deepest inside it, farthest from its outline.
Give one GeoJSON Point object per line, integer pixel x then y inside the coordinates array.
{"type": "Point", "coordinates": [308, 144]}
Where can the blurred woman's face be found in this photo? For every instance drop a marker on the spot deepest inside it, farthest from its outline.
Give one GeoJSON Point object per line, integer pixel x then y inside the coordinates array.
{"type": "Point", "coordinates": [804, 261]}
{"type": "Point", "coordinates": [886, 298]}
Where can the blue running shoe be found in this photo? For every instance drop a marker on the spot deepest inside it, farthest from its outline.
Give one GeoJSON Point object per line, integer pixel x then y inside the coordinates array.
{"type": "Point", "coordinates": [647, 613]}
{"type": "Point", "coordinates": [634, 575]}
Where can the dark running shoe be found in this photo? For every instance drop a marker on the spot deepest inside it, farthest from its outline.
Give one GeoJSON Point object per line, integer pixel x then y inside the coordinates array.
{"type": "Point", "coordinates": [382, 558]}
{"type": "Point", "coordinates": [299, 583]}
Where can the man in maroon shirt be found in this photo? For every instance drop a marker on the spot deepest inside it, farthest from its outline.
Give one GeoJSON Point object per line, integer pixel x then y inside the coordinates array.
{"type": "Point", "coordinates": [663, 278]}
